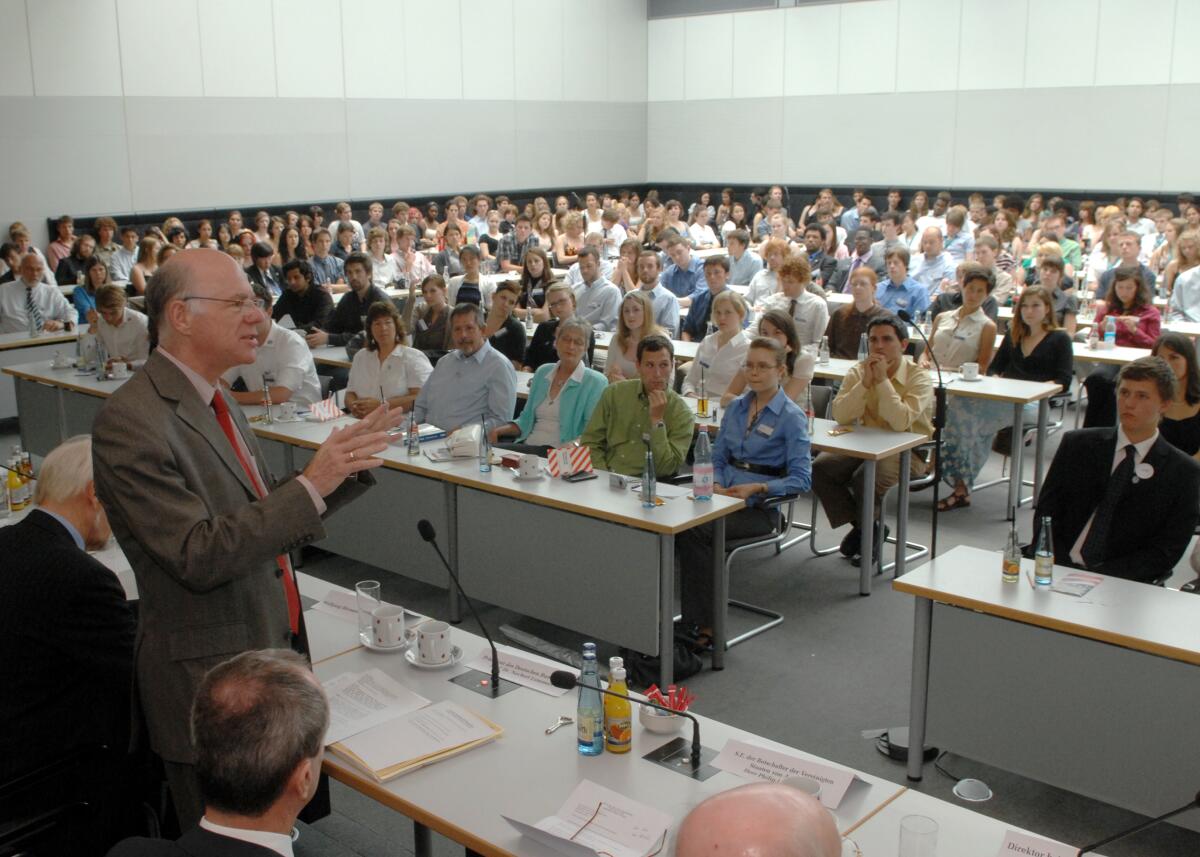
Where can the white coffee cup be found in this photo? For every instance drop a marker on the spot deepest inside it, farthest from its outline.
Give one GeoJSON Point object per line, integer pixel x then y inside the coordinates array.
{"type": "Point", "coordinates": [387, 623]}
{"type": "Point", "coordinates": [120, 371]}
{"type": "Point", "coordinates": [287, 410]}
{"type": "Point", "coordinates": [529, 466]}
{"type": "Point", "coordinates": [433, 642]}
{"type": "Point", "coordinates": [970, 371]}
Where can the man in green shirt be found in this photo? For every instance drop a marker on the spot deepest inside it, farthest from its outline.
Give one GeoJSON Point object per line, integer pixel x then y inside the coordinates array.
{"type": "Point", "coordinates": [645, 405]}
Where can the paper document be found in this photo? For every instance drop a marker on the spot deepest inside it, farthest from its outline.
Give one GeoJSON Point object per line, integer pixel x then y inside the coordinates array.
{"type": "Point", "coordinates": [1077, 583]}
{"type": "Point", "coordinates": [758, 763]}
{"type": "Point", "coordinates": [358, 701]}
{"type": "Point", "coordinates": [595, 820]}
{"type": "Point", "coordinates": [524, 669]}
{"type": "Point", "coordinates": [418, 738]}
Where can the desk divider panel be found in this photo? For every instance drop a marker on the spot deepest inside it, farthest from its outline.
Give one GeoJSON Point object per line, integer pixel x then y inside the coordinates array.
{"type": "Point", "coordinates": [80, 411]}
{"type": "Point", "coordinates": [598, 578]}
{"type": "Point", "coordinates": [41, 427]}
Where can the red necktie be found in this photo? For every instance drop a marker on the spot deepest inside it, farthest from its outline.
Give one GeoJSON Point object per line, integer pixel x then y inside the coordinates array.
{"type": "Point", "coordinates": [285, 566]}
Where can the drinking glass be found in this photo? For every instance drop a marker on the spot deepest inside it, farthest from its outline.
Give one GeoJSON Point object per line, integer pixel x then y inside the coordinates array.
{"type": "Point", "coordinates": [368, 595]}
{"type": "Point", "coordinates": [918, 836]}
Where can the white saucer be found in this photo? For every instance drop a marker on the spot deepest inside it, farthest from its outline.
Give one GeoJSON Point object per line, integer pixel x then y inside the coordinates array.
{"type": "Point", "coordinates": [295, 419]}
{"type": "Point", "coordinates": [375, 647]}
{"type": "Point", "coordinates": [456, 656]}
{"type": "Point", "coordinates": [62, 367]}
{"type": "Point", "coordinates": [974, 380]}
{"type": "Point", "coordinates": [520, 478]}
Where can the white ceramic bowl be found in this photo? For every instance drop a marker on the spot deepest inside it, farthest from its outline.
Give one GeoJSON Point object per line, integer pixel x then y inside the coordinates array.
{"type": "Point", "coordinates": [656, 721]}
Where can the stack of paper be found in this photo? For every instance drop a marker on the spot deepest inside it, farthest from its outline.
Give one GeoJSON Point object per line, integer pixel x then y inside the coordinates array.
{"type": "Point", "coordinates": [598, 821]}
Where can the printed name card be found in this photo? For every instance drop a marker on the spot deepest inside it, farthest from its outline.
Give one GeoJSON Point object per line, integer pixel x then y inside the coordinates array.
{"type": "Point", "coordinates": [759, 763]}
{"type": "Point", "coordinates": [1023, 845]}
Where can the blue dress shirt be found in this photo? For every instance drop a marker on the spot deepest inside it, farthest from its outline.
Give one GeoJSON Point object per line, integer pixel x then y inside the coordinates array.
{"type": "Point", "coordinates": [779, 438]}
{"type": "Point", "coordinates": [909, 295]}
{"type": "Point", "coordinates": [463, 389]}
{"type": "Point", "coordinates": [685, 282]}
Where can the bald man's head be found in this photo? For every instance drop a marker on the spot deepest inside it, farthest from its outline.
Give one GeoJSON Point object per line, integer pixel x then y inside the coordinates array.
{"type": "Point", "coordinates": [759, 820]}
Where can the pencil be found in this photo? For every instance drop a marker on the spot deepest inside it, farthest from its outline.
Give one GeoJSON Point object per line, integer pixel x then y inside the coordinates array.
{"type": "Point", "coordinates": [872, 813]}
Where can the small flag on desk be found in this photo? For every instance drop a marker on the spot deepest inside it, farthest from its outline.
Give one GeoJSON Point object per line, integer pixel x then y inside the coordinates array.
{"type": "Point", "coordinates": [326, 410]}
{"type": "Point", "coordinates": [569, 460]}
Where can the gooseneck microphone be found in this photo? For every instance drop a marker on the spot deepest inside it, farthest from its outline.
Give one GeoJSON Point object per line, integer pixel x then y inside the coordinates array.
{"type": "Point", "coordinates": [428, 534]}
{"type": "Point", "coordinates": [1192, 804]}
{"type": "Point", "coordinates": [567, 681]}
{"type": "Point", "coordinates": [939, 420]}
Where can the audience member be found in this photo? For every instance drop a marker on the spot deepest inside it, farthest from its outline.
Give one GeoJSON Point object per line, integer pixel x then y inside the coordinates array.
{"type": "Point", "coordinates": [959, 243]}
{"type": "Point", "coordinates": [933, 266]}
{"type": "Point", "coordinates": [666, 305]}
{"type": "Point", "coordinates": [743, 265]}
{"type": "Point", "coordinates": [430, 325]}
{"type": "Point", "coordinates": [121, 263]}
{"type": "Point", "coordinates": [469, 287]}
{"type": "Point", "coordinates": [347, 316]}
{"type": "Point", "coordinates": [64, 241]}
{"type": "Point", "coordinates": [303, 301]}
{"type": "Point", "coordinates": [635, 322]}
{"type": "Point", "coordinates": [848, 323]}
{"type": "Point", "coordinates": [1183, 278]}
{"type": "Point", "coordinates": [145, 265]}
{"type": "Point", "coordinates": [722, 352]}
{"type": "Point", "coordinates": [766, 282]}
{"type": "Point", "coordinates": [898, 291]}
{"type": "Point", "coordinates": [283, 367]}
{"type": "Point", "coordinates": [811, 313]}
{"type": "Point", "coordinates": [965, 335]}
{"type": "Point", "coordinates": [777, 325]}
{"type": "Point", "coordinates": [123, 332]}
{"type": "Point", "coordinates": [1129, 248]}
{"type": "Point", "coordinates": [1066, 307]}
{"type": "Point", "coordinates": [822, 265]}
{"type": "Point", "coordinates": [502, 329]}
{"type": "Point", "coordinates": [513, 246]}
{"type": "Point", "coordinates": [344, 217]}
{"type": "Point", "coordinates": [83, 296]}
{"type": "Point", "coordinates": [596, 298]}
{"type": "Point", "coordinates": [698, 322]}
{"type": "Point", "coordinates": [28, 298]}
{"type": "Point", "coordinates": [69, 271]}
{"type": "Point", "coordinates": [446, 262]}
{"type": "Point", "coordinates": [560, 306]}
{"type": "Point", "coordinates": [386, 370]}
{"type": "Point", "coordinates": [1181, 422]}
{"type": "Point", "coordinates": [987, 249]}
{"type": "Point", "coordinates": [1138, 323]}
{"type": "Point", "coordinates": [384, 270]}
{"type": "Point", "coordinates": [263, 271]}
{"type": "Point", "coordinates": [684, 277]}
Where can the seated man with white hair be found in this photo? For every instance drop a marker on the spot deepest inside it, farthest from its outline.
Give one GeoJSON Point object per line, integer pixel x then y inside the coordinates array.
{"type": "Point", "coordinates": [759, 820]}
{"type": "Point", "coordinates": [66, 629]}
{"type": "Point", "coordinates": [282, 356]}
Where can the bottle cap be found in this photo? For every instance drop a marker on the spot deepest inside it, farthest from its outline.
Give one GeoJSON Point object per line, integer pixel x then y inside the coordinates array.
{"type": "Point", "coordinates": [616, 662]}
{"type": "Point", "coordinates": [618, 674]}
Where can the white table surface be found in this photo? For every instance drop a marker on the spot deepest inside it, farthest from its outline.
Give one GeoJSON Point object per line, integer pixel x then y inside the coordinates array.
{"type": "Point", "coordinates": [1120, 354]}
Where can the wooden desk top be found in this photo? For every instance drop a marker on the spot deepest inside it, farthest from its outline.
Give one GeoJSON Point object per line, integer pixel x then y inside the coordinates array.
{"type": "Point", "coordinates": [1125, 613]}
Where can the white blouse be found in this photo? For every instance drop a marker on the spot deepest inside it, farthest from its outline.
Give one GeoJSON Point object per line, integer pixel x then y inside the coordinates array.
{"type": "Point", "coordinates": [400, 371]}
{"type": "Point", "coordinates": [719, 362]}
{"type": "Point", "coordinates": [131, 340]}
{"type": "Point", "coordinates": [762, 285]}
{"type": "Point", "coordinates": [956, 341]}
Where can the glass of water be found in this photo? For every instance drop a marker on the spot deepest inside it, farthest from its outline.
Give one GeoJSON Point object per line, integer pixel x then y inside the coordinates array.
{"type": "Point", "coordinates": [368, 594]}
{"type": "Point", "coordinates": [918, 836]}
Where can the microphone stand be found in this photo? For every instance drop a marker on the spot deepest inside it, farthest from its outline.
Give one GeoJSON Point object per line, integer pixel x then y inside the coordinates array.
{"type": "Point", "coordinates": [1192, 804]}
{"type": "Point", "coordinates": [939, 420]}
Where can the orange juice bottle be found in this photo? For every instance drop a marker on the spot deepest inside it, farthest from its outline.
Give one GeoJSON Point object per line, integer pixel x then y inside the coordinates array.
{"type": "Point", "coordinates": [618, 715]}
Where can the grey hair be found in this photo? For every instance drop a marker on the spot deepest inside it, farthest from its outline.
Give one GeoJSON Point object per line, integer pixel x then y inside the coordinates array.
{"type": "Point", "coordinates": [168, 283]}
{"type": "Point", "coordinates": [577, 324]}
{"type": "Point", "coordinates": [255, 718]}
{"type": "Point", "coordinates": [469, 309]}
{"type": "Point", "coordinates": [66, 471]}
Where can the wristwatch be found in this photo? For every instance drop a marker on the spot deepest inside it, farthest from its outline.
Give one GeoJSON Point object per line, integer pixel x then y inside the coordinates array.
{"type": "Point", "coordinates": [661, 424]}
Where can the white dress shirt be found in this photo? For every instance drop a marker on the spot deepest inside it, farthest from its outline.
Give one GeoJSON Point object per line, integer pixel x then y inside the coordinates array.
{"type": "Point", "coordinates": [121, 264]}
{"type": "Point", "coordinates": [719, 362]}
{"type": "Point", "coordinates": [400, 371]}
{"type": "Point", "coordinates": [130, 340]}
{"type": "Point", "coordinates": [574, 279]}
{"type": "Point", "coordinates": [811, 314]}
{"type": "Point", "coordinates": [285, 354]}
{"type": "Point", "coordinates": [597, 303]}
{"type": "Point", "coordinates": [280, 843]}
{"type": "Point", "coordinates": [1142, 448]}
{"type": "Point", "coordinates": [762, 285]}
{"type": "Point", "coordinates": [14, 317]}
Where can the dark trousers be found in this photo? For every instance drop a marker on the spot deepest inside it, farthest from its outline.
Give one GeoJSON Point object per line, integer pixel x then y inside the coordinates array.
{"type": "Point", "coordinates": [695, 553]}
{"type": "Point", "coordinates": [1101, 386]}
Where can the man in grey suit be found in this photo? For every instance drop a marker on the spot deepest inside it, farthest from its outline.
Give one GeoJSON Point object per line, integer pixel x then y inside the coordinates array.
{"type": "Point", "coordinates": [204, 524]}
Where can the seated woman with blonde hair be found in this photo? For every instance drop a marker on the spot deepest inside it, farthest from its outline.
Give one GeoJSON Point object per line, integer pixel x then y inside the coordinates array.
{"type": "Point", "coordinates": [635, 321]}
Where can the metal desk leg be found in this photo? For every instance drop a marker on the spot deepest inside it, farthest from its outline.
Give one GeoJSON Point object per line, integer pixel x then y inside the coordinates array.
{"type": "Point", "coordinates": [902, 515]}
{"type": "Point", "coordinates": [1014, 478]}
{"type": "Point", "coordinates": [720, 594]}
{"type": "Point", "coordinates": [866, 517]}
{"type": "Point", "coordinates": [1039, 449]}
{"type": "Point", "coordinates": [920, 687]}
{"type": "Point", "coordinates": [62, 414]}
{"type": "Point", "coordinates": [454, 607]}
{"type": "Point", "coordinates": [422, 841]}
{"type": "Point", "coordinates": [666, 609]}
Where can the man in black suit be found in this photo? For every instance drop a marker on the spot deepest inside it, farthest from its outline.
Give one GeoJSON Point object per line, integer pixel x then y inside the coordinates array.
{"type": "Point", "coordinates": [259, 721]}
{"type": "Point", "coordinates": [1123, 501]}
{"type": "Point", "coordinates": [66, 630]}
{"type": "Point", "coordinates": [862, 256]}
{"type": "Point", "coordinates": [821, 264]}
{"type": "Point", "coordinates": [262, 271]}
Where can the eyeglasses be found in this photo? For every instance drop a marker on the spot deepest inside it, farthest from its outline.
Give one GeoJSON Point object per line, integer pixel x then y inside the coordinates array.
{"type": "Point", "coordinates": [242, 304]}
{"type": "Point", "coordinates": [759, 367]}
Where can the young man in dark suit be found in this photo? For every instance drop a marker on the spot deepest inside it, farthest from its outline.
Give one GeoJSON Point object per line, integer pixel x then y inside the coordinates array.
{"type": "Point", "coordinates": [1122, 500]}
{"type": "Point", "coordinates": [259, 721]}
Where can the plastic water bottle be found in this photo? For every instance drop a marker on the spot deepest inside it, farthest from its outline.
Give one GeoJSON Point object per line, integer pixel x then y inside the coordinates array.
{"type": "Point", "coordinates": [809, 412]}
{"type": "Point", "coordinates": [485, 447]}
{"type": "Point", "coordinates": [589, 712]}
{"type": "Point", "coordinates": [412, 444]}
{"type": "Point", "coordinates": [702, 468]}
{"type": "Point", "coordinates": [1110, 332]}
{"type": "Point", "coordinates": [823, 351]}
{"type": "Point", "coordinates": [648, 477]}
{"type": "Point", "coordinates": [101, 360]}
{"type": "Point", "coordinates": [1043, 557]}
{"type": "Point", "coordinates": [863, 350]}
{"type": "Point", "coordinates": [267, 380]}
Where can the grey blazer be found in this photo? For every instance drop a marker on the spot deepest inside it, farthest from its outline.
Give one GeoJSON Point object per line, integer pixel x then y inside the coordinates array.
{"type": "Point", "coordinates": [201, 543]}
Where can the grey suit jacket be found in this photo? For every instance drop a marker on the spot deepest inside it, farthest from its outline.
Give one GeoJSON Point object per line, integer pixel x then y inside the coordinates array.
{"type": "Point", "coordinates": [201, 543]}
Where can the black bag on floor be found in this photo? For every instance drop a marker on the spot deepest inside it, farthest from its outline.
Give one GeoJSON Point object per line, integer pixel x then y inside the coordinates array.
{"type": "Point", "coordinates": [641, 671]}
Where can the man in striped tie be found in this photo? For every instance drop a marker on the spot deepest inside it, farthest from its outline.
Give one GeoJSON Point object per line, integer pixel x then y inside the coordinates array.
{"type": "Point", "coordinates": [28, 298]}
{"type": "Point", "coordinates": [206, 527]}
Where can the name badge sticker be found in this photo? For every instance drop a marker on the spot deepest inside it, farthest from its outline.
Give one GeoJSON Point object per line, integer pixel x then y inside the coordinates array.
{"type": "Point", "coordinates": [1143, 471]}
{"type": "Point", "coordinates": [765, 430]}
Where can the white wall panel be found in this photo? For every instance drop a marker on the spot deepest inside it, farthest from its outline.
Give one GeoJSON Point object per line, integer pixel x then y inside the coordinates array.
{"type": "Point", "coordinates": [432, 49]}
{"type": "Point", "coordinates": [665, 45]}
{"type": "Point", "coordinates": [586, 31]}
{"type": "Point", "coordinates": [577, 145]}
{"type": "Point", "coordinates": [542, 62]}
{"type": "Point", "coordinates": [487, 72]}
{"type": "Point", "coordinates": [16, 70]}
{"type": "Point", "coordinates": [927, 36]}
{"type": "Point", "coordinates": [1133, 47]}
{"type": "Point", "coordinates": [308, 49]}
{"type": "Point", "coordinates": [810, 44]}
{"type": "Point", "coordinates": [374, 48]}
{"type": "Point", "coordinates": [626, 50]}
{"type": "Point", "coordinates": [758, 54]}
{"type": "Point", "coordinates": [687, 149]}
{"type": "Point", "coordinates": [1185, 58]}
{"type": "Point", "coordinates": [1062, 43]}
{"type": "Point", "coordinates": [1121, 159]}
{"type": "Point", "coordinates": [160, 47]}
{"type": "Point", "coordinates": [74, 47]}
{"type": "Point", "coordinates": [1181, 167]}
{"type": "Point", "coordinates": [708, 63]}
{"type": "Point", "coordinates": [992, 55]}
{"type": "Point", "coordinates": [867, 47]}
{"type": "Point", "coordinates": [239, 61]}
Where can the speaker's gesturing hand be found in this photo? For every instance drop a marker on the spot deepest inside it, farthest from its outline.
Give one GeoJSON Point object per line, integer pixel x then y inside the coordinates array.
{"type": "Point", "coordinates": [350, 449]}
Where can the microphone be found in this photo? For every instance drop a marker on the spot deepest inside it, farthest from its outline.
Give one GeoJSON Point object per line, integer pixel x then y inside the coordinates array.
{"type": "Point", "coordinates": [1194, 802]}
{"type": "Point", "coordinates": [567, 681]}
{"type": "Point", "coordinates": [428, 534]}
{"type": "Point", "coordinates": [939, 420]}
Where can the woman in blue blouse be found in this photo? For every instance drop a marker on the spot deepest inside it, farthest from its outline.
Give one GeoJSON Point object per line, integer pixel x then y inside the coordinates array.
{"type": "Point", "coordinates": [95, 275]}
{"type": "Point", "coordinates": [762, 451]}
{"type": "Point", "coordinates": [562, 395]}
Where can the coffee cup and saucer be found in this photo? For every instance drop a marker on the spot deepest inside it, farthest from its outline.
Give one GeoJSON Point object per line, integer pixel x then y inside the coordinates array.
{"type": "Point", "coordinates": [387, 630]}
{"type": "Point", "coordinates": [431, 648]}
{"type": "Point", "coordinates": [528, 469]}
{"type": "Point", "coordinates": [970, 372]}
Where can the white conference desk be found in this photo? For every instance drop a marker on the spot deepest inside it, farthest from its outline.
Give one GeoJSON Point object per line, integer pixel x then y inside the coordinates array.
{"type": "Point", "coordinates": [1094, 694]}
{"type": "Point", "coordinates": [593, 540]}
{"type": "Point", "coordinates": [17, 348]}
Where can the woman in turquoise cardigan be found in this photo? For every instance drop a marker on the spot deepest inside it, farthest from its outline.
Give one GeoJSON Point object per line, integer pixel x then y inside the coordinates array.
{"type": "Point", "coordinates": [562, 395]}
